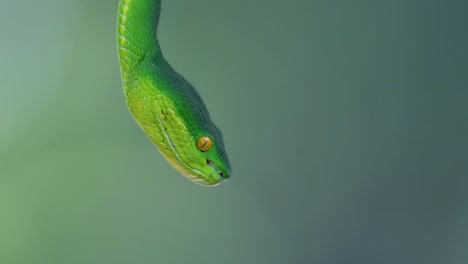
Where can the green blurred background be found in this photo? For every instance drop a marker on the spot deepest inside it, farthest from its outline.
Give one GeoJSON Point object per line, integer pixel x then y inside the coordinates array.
{"type": "Point", "coordinates": [345, 123]}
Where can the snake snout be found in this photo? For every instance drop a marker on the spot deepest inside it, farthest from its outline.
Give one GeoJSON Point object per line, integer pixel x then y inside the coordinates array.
{"type": "Point", "coordinates": [222, 175]}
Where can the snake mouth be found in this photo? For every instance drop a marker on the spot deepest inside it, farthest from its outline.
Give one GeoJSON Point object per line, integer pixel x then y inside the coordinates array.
{"type": "Point", "coordinates": [210, 175]}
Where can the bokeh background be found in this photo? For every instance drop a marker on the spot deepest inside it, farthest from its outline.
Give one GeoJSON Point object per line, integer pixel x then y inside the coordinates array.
{"type": "Point", "coordinates": [346, 123]}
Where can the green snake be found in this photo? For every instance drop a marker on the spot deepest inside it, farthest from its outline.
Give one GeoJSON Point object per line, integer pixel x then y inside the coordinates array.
{"type": "Point", "coordinates": [164, 104]}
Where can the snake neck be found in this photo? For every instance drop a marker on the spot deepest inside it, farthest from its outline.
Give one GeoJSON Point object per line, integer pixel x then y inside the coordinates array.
{"type": "Point", "coordinates": [137, 32]}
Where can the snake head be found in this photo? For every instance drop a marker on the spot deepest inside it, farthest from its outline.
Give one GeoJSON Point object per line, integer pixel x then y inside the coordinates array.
{"type": "Point", "coordinates": [205, 163]}
{"type": "Point", "coordinates": [185, 136]}
{"type": "Point", "coordinates": [176, 120]}
{"type": "Point", "coordinates": [209, 165]}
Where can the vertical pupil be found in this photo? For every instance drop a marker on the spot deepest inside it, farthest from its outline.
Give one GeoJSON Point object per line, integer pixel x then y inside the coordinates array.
{"type": "Point", "coordinates": [204, 143]}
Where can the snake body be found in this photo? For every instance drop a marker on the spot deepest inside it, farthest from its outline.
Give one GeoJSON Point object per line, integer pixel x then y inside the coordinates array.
{"type": "Point", "coordinates": [162, 102]}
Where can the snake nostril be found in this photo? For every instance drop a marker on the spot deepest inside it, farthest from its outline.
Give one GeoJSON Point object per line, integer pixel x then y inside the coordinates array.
{"type": "Point", "coordinates": [221, 174]}
{"type": "Point", "coordinates": [208, 162]}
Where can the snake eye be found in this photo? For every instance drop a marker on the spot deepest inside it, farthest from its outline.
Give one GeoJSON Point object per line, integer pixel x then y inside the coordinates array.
{"type": "Point", "coordinates": [204, 143]}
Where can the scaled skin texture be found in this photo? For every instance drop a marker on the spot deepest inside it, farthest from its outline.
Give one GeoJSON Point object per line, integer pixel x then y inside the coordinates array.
{"type": "Point", "coordinates": [162, 102]}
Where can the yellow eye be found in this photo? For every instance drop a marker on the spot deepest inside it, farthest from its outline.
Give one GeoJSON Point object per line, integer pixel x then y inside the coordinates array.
{"type": "Point", "coordinates": [204, 143]}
